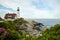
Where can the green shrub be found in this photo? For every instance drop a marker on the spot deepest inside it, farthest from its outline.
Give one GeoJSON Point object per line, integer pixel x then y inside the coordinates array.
{"type": "Point", "coordinates": [51, 34]}
{"type": "Point", "coordinates": [13, 35]}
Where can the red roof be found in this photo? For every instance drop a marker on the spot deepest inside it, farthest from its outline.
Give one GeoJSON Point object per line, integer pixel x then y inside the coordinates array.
{"type": "Point", "coordinates": [9, 15]}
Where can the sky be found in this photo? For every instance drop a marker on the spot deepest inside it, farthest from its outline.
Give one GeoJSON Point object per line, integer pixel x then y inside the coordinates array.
{"type": "Point", "coordinates": [34, 9]}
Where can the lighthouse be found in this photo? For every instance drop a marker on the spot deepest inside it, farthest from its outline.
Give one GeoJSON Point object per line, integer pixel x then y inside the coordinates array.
{"type": "Point", "coordinates": [18, 12]}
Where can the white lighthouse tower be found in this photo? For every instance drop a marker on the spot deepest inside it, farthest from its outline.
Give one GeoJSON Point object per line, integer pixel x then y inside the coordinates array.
{"type": "Point", "coordinates": [18, 12]}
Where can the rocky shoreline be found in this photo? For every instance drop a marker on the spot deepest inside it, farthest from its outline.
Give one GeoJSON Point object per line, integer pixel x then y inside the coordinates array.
{"type": "Point", "coordinates": [32, 28]}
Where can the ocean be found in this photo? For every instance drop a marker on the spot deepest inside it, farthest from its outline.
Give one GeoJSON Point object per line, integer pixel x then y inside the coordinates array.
{"type": "Point", "coordinates": [48, 22]}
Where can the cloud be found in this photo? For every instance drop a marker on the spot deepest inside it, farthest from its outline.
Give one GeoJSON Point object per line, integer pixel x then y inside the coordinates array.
{"type": "Point", "coordinates": [53, 3]}
{"type": "Point", "coordinates": [9, 4]}
{"type": "Point", "coordinates": [48, 9]}
{"type": "Point", "coordinates": [5, 8]}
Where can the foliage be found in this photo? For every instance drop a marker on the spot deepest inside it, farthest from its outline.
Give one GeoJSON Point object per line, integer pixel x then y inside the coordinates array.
{"type": "Point", "coordinates": [51, 34]}
{"type": "Point", "coordinates": [20, 21]}
{"type": "Point", "coordinates": [10, 29]}
{"type": "Point", "coordinates": [3, 33]}
{"type": "Point", "coordinates": [7, 24]}
{"type": "Point", "coordinates": [13, 35]}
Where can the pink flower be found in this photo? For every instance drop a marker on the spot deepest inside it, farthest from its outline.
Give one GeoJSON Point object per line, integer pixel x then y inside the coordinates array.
{"type": "Point", "coordinates": [5, 33]}
{"type": "Point", "coordinates": [2, 29]}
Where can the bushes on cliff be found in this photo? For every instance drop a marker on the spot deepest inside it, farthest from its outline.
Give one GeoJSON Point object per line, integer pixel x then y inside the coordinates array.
{"type": "Point", "coordinates": [8, 31]}
{"type": "Point", "coordinates": [13, 35]}
{"type": "Point", "coordinates": [51, 34]}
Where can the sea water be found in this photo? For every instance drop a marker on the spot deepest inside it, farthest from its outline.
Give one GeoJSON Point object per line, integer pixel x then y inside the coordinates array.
{"type": "Point", "coordinates": [48, 22]}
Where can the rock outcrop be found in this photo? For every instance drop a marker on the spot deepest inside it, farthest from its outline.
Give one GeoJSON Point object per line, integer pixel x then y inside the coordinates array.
{"type": "Point", "coordinates": [30, 27]}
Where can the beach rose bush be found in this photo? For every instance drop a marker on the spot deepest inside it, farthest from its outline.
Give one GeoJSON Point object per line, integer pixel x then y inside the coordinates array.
{"type": "Point", "coordinates": [3, 33]}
